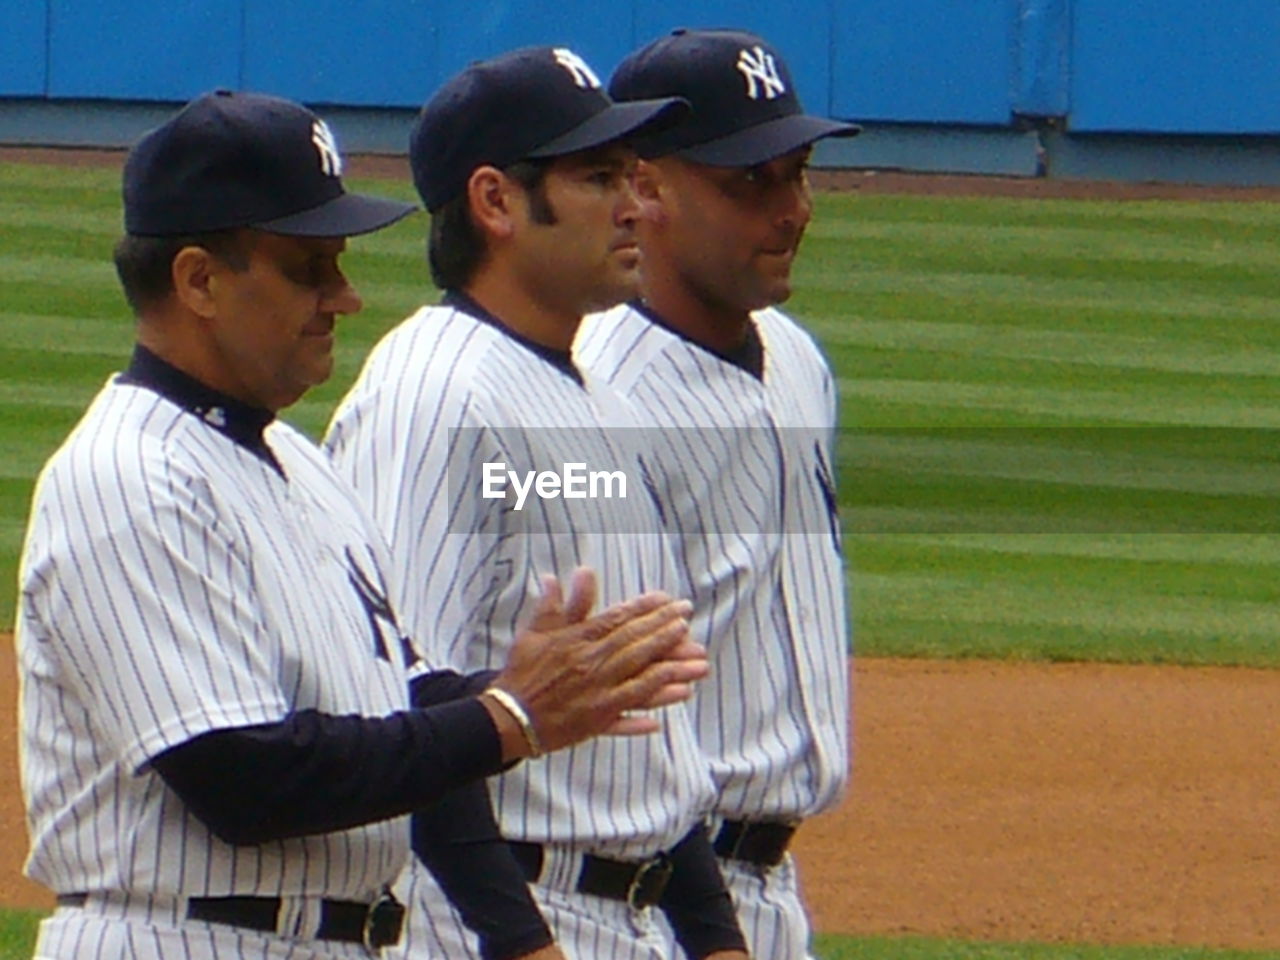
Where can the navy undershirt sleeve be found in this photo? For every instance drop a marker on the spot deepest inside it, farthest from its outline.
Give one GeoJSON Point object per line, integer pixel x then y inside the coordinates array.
{"type": "Point", "coordinates": [696, 902]}
{"type": "Point", "coordinates": [441, 686]}
{"type": "Point", "coordinates": [317, 773]}
{"type": "Point", "coordinates": [457, 839]}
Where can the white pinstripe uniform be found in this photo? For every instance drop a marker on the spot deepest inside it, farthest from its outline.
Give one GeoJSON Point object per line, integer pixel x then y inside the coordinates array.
{"type": "Point", "coordinates": [466, 576]}
{"type": "Point", "coordinates": [767, 588]}
{"type": "Point", "coordinates": [173, 583]}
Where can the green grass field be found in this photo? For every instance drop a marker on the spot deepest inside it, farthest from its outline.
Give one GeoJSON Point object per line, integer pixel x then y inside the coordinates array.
{"type": "Point", "coordinates": [1059, 417]}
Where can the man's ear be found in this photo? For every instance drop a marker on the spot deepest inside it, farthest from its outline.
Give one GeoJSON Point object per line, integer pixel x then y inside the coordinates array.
{"type": "Point", "coordinates": [649, 187]}
{"type": "Point", "coordinates": [194, 271]}
{"type": "Point", "coordinates": [490, 195]}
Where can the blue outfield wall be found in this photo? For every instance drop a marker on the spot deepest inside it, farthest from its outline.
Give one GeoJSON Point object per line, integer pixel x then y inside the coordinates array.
{"type": "Point", "coordinates": [924, 61]}
{"type": "Point", "coordinates": [1185, 67]}
{"type": "Point", "coordinates": [372, 53]}
{"type": "Point", "coordinates": [23, 47]}
{"type": "Point", "coordinates": [1134, 66]}
{"type": "Point", "coordinates": [1003, 86]}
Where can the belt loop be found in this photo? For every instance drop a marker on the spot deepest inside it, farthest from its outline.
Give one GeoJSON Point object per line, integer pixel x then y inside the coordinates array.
{"type": "Point", "coordinates": [299, 917]}
{"type": "Point", "coordinates": [561, 865]}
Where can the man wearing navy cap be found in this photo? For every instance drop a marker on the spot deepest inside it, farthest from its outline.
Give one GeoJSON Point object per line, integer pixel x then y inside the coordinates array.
{"type": "Point", "coordinates": [218, 743]}
{"type": "Point", "coordinates": [524, 162]}
{"type": "Point", "coordinates": [744, 469]}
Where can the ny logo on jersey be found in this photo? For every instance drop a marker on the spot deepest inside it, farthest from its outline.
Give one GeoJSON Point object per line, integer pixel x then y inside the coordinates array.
{"type": "Point", "coordinates": [827, 486]}
{"type": "Point", "coordinates": [582, 74]}
{"type": "Point", "coordinates": [378, 609]}
{"type": "Point", "coordinates": [761, 73]}
{"type": "Point", "coordinates": [327, 147]}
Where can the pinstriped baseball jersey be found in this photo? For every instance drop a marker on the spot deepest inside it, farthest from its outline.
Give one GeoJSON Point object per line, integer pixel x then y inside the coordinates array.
{"type": "Point", "coordinates": [466, 569]}
{"type": "Point", "coordinates": [172, 584]}
{"type": "Point", "coordinates": [769, 605]}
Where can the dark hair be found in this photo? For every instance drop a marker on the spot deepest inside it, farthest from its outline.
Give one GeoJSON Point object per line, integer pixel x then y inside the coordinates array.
{"type": "Point", "coordinates": [455, 248]}
{"type": "Point", "coordinates": [145, 264]}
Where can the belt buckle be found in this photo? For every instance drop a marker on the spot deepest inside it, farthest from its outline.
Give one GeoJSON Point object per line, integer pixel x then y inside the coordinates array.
{"type": "Point", "coordinates": [660, 869]}
{"type": "Point", "coordinates": [383, 923]}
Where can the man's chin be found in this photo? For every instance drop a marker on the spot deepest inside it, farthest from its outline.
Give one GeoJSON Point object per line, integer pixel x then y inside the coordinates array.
{"type": "Point", "coordinates": [778, 292]}
{"type": "Point", "coordinates": [616, 293]}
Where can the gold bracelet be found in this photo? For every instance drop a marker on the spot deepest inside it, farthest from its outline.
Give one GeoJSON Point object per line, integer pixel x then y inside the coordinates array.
{"type": "Point", "coordinates": [520, 716]}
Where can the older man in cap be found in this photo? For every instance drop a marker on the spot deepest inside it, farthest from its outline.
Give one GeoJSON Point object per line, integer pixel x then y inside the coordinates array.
{"type": "Point", "coordinates": [218, 743]}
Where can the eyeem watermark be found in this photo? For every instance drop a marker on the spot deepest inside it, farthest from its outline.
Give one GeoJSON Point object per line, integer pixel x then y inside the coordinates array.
{"type": "Point", "coordinates": [573, 482]}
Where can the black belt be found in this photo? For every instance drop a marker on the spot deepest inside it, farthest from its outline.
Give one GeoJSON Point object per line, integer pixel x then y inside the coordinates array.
{"type": "Point", "coordinates": [375, 925]}
{"type": "Point", "coordinates": [636, 883]}
{"type": "Point", "coordinates": [763, 844]}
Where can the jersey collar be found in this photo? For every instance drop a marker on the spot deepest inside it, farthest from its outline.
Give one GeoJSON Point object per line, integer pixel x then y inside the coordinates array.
{"type": "Point", "coordinates": [239, 421]}
{"type": "Point", "coordinates": [748, 356]}
{"type": "Point", "coordinates": [562, 360]}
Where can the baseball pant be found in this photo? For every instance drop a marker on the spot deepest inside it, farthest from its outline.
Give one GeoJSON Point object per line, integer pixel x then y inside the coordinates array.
{"type": "Point", "coordinates": [132, 928]}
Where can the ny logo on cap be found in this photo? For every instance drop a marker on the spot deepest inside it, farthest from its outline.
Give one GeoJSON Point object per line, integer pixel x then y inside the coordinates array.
{"type": "Point", "coordinates": [761, 73]}
{"type": "Point", "coordinates": [327, 147]}
{"type": "Point", "coordinates": [582, 74]}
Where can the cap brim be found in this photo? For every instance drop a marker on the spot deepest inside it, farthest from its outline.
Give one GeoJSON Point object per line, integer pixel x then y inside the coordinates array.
{"type": "Point", "coordinates": [346, 215]}
{"type": "Point", "coordinates": [619, 120]}
{"type": "Point", "coordinates": [765, 141]}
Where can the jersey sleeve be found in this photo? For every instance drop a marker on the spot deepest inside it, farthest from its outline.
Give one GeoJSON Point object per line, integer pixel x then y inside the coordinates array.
{"type": "Point", "coordinates": [134, 582]}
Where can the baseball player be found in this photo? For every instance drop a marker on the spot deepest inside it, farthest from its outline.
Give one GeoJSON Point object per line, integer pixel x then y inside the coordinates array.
{"type": "Point", "coordinates": [745, 461]}
{"type": "Point", "coordinates": [218, 749]}
{"type": "Point", "coordinates": [521, 161]}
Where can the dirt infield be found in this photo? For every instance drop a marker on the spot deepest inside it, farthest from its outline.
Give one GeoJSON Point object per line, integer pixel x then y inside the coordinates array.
{"type": "Point", "coordinates": [1015, 802]}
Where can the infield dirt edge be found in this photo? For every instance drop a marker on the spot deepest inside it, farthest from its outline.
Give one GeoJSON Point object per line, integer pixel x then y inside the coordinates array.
{"type": "Point", "coordinates": [1047, 803]}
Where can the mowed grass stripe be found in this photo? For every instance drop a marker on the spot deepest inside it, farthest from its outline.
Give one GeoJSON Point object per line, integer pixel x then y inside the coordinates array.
{"type": "Point", "coordinates": [1257, 556]}
{"type": "Point", "coordinates": [68, 334]}
{"type": "Point", "coordinates": [941, 401]}
{"type": "Point", "coordinates": [1127, 351]}
{"type": "Point", "coordinates": [1064, 600]}
{"type": "Point", "coordinates": [1203, 599]}
{"type": "Point", "coordinates": [1110, 462]}
{"type": "Point", "coordinates": [1075, 370]}
{"type": "Point", "coordinates": [1009, 304]}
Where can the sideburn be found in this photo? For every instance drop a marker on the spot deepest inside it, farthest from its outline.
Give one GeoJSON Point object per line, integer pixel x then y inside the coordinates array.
{"type": "Point", "coordinates": [540, 210]}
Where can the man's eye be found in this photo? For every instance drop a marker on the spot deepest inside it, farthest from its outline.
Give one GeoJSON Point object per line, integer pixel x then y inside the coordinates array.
{"type": "Point", "coordinates": [308, 274]}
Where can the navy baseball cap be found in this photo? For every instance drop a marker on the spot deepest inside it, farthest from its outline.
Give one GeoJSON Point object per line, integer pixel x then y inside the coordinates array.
{"type": "Point", "coordinates": [530, 103]}
{"type": "Point", "coordinates": [745, 108]}
{"type": "Point", "coordinates": [231, 160]}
